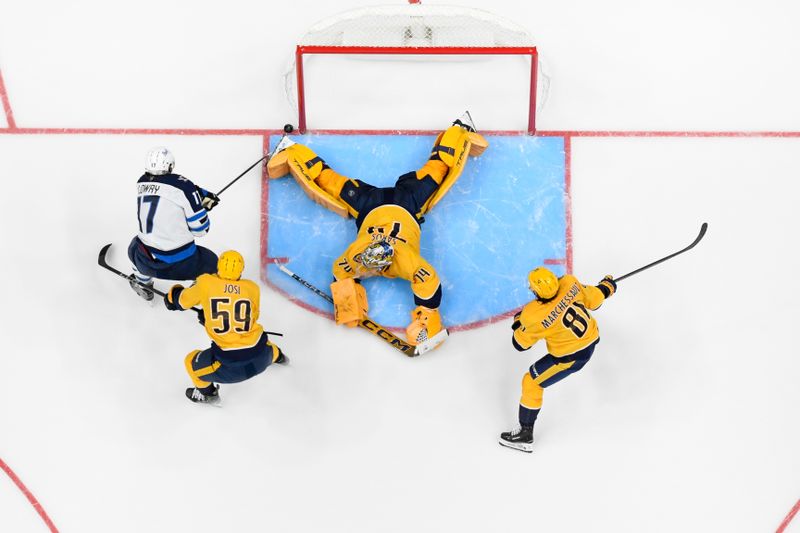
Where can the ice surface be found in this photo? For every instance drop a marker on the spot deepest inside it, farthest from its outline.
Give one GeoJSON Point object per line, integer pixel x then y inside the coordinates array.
{"type": "Point", "coordinates": [506, 212]}
{"type": "Point", "coordinates": [685, 419]}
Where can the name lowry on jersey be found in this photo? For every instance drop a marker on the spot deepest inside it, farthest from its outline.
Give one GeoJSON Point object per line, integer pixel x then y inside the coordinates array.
{"type": "Point", "coordinates": [148, 188]}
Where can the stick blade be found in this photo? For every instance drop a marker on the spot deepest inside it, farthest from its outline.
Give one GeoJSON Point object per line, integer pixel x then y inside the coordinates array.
{"type": "Point", "coordinates": [101, 258]}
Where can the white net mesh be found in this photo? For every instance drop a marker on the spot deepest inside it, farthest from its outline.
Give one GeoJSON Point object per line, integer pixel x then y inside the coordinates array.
{"type": "Point", "coordinates": [417, 26]}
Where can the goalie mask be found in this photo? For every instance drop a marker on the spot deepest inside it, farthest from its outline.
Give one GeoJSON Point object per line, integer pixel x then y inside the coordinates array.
{"type": "Point", "coordinates": [376, 255]}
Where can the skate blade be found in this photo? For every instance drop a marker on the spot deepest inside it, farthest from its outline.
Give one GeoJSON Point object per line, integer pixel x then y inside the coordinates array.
{"type": "Point", "coordinates": [285, 143]}
{"type": "Point", "coordinates": [522, 447]}
{"type": "Point", "coordinates": [209, 404]}
{"type": "Point", "coordinates": [433, 342]}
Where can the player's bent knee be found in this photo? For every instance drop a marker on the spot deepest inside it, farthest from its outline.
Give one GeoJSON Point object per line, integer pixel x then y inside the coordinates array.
{"type": "Point", "coordinates": [189, 359]}
{"type": "Point", "coordinates": [532, 392]}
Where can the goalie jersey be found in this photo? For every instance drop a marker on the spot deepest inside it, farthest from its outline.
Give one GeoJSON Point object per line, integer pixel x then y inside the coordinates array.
{"type": "Point", "coordinates": [399, 228]}
{"type": "Point", "coordinates": [563, 321]}
{"type": "Point", "coordinates": [170, 216]}
{"type": "Point", "coordinates": [231, 310]}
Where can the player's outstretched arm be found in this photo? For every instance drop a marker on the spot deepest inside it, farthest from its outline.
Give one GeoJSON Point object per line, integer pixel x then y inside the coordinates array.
{"type": "Point", "coordinates": [209, 201]}
{"type": "Point", "coordinates": [172, 298]}
{"type": "Point", "coordinates": [595, 296]}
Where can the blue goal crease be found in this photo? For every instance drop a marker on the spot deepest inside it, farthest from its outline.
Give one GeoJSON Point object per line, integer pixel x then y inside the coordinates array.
{"type": "Point", "coordinates": [506, 214]}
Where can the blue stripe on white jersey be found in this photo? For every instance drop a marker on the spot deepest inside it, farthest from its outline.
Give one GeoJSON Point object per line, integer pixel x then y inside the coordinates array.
{"type": "Point", "coordinates": [202, 229]}
{"type": "Point", "coordinates": [195, 217]}
{"type": "Point", "coordinates": [173, 256]}
{"type": "Point", "coordinates": [170, 215]}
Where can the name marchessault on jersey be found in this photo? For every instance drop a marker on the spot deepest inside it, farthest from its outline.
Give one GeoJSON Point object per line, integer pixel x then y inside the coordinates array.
{"type": "Point", "coordinates": [561, 306]}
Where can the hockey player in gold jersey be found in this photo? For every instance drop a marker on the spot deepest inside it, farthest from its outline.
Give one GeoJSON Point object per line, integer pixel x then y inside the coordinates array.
{"type": "Point", "coordinates": [388, 221]}
{"type": "Point", "coordinates": [559, 315]}
{"type": "Point", "coordinates": [239, 348]}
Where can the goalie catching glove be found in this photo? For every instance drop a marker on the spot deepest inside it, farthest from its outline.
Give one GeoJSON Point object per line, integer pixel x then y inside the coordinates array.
{"type": "Point", "coordinates": [350, 304]}
{"type": "Point", "coordinates": [425, 323]}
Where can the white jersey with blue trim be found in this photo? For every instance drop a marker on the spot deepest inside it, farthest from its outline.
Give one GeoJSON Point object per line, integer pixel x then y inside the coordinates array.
{"type": "Point", "coordinates": [170, 216]}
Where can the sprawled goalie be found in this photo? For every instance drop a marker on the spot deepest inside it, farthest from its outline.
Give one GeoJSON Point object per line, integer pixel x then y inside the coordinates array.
{"type": "Point", "coordinates": [388, 221]}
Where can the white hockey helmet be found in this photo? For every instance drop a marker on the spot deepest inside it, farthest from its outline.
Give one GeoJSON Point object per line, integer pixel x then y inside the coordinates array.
{"type": "Point", "coordinates": [159, 161]}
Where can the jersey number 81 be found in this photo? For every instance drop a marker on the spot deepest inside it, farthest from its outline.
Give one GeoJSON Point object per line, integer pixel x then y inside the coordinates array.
{"type": "Point", "coordinates": [573, 320]}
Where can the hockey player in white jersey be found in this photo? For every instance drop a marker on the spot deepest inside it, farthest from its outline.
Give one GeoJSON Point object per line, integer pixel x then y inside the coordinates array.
{"type": "Point", "coordinates": [172, 211]}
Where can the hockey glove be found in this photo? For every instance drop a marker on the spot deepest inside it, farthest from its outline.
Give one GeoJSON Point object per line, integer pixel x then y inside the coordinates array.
{"type": "Point", "coordinates": [516, 324]}
{"type": "Point", "coordinates": [607, 286]}
{"type": "Point", "coordinates": [210, 200]}
{"type": "Point", "coordinates": [172, 298]}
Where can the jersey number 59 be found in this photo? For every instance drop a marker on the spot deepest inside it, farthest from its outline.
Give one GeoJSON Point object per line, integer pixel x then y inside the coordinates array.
{"type": "Point", "coordinates": [236, 314]}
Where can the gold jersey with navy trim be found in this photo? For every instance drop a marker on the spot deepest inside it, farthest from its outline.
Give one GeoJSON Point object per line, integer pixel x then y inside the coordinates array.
{"type": "Point", "coordinates": [563, 321]}
{"type": "Point", "coordinates": [395, 225]}
{"type": "Point", "coordinates": [231, 310]}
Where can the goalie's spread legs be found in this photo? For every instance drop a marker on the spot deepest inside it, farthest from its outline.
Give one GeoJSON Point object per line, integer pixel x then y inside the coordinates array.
{"type": "Point", "coordinates": [388, 220]}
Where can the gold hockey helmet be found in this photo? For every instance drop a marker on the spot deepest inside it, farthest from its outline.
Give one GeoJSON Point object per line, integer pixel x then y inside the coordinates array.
{"type": "Point", "coordinates": [230, 265]}
{"type": "Point", "coordinates": [543, 283]}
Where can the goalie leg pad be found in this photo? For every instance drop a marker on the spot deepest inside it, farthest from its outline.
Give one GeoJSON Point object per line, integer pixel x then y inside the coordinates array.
{"type": "Point", "coordinates": [425, 323]}
{"type": "Point", "coordinates": [317, 180]}
{"type": "Point", "coordinates": [434, 168]}
{"type": "Point", "coordinates": [452, 147]}
{"type": "Point", "coordinates": [350, 303]}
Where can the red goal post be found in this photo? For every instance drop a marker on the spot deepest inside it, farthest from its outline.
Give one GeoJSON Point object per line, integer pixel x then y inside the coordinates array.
{"type": "Point", "coordinates": [419, 33]}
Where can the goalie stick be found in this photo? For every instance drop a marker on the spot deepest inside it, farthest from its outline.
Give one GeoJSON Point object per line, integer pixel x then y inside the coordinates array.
{"type": "Point", "coordinates": [103, 262]}
{"type": "Point", "coordinates": [700, 235]}
{"type": "Point", "coordinates": [375, 328]}
{"type": "Point", "coordinates": [287, 129]}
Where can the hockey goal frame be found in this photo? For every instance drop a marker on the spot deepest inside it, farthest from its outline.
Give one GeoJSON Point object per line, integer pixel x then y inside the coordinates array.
{"type": "Point", "coordinates": [304, 50]}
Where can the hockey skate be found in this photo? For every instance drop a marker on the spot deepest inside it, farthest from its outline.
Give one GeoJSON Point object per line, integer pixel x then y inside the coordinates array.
{"type": "Point", "coordinates": [519, 439]}
{"type": "Point", "coordinates": [145, 290]}
{"type": "Point", "coordinates": [465, 121]}
{"type": "Point", "coordinates": [285, 143]}
{"type": "Point", "coordinates": [282, 359]}
{"type": "Point", "coordinates": [194, 394]}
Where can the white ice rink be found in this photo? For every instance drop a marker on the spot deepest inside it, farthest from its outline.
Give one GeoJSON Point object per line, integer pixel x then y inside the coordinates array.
{"type": "Point", "coordinates": [685, 420]}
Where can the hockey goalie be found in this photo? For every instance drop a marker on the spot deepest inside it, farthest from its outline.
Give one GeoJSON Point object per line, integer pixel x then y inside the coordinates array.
{"type": "Point", "coordinates": [388, 222]}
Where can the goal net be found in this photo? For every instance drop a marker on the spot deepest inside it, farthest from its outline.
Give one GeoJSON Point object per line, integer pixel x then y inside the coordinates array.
{"type": "Point", "coordinates": [415, 67]}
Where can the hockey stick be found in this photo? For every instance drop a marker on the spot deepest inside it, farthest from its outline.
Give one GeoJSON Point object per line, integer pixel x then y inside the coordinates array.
{"type": "Point", "coordinates": [101, 260]}
{"type": "Point", "coordinates": [700, 235]}
{"type": "Point", "coordinates": [374, 328]}
{"type": "Point", "coordinates": [288, 128]}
